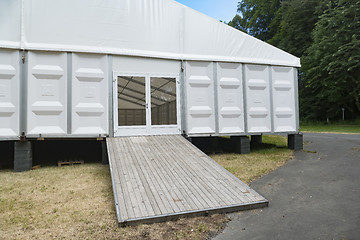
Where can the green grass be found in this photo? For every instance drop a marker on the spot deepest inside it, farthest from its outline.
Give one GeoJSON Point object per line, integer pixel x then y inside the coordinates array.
{"type": "Point", "coordinates": [332, 127]}
{"type": "Point", "coordinates": [76, 202]}
{"type": "Point", "coordinates": [264, 158]}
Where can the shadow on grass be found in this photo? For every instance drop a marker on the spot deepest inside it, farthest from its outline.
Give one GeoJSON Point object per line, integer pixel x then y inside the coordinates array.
{"type": "Point", "coordinates": [49, 152]}
{"type": "Point", "coordinates": [7, 155]}
{"type": "Point", "coordinates": [212, 145]}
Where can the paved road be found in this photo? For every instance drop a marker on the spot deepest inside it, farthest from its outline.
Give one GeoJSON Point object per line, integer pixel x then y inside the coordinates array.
{"type": "Point", "coordinates": [315, 196]}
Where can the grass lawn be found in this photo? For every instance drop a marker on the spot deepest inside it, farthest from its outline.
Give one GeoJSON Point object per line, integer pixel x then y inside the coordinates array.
{"type": "Point", "coordinates": [76, 202]}
{"type": "Point", "coordinates": [335, 127]}
{"type": "Point", "coordinates": [263, 159]}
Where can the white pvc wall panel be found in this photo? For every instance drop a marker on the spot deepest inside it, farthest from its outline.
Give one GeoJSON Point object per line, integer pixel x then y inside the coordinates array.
{"type": "Point", "coordinates": [9, 93]}
{"type": "Point", "coordinates": [89, 94]}
{"type": "Point", "coordinates": [230, 98]}
{"type": "Point", "coordinates": [10, 22]}
{"type": "Point", "coordinates": [46, 95]}
{"type": "Point", "coordinates": [200, 98]}
{"type": "Point", "coordinates": [141, 65]}
{"type": "Point", "coordinates": [283, 99]}
{"type": "Point", "coordinates": [258, 98]}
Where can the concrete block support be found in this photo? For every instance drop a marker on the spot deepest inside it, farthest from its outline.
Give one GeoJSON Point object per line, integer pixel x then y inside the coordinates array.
{"type": "Point", "coordinates": [241, 144]}
{"type": "Point", "coordinates": [104, 155]}
{"type": "Point", "coordinates": [256, 139]}
{"type": "Point", "coordinates": [295, 141]}
{"type": "Point", "coordinates": [22, 156]}
{"type": "Point", "coordinates": [206, 144]}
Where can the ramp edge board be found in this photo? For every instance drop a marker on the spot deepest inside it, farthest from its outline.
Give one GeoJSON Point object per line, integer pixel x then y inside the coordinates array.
{"type": "Point", "coordinates": [203, 212]}
{"type": "Point", "coordinates": [183, 171]}
{"type": "Point", "coordinates": [113, 183]}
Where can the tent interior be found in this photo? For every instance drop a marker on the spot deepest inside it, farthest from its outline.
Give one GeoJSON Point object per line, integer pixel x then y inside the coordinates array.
{"type": "Point", "coordinates": [132, 101]}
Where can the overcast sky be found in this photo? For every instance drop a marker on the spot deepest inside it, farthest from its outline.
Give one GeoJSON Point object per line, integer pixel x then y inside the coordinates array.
{"type": "Point", "coordinates": [223, 10]}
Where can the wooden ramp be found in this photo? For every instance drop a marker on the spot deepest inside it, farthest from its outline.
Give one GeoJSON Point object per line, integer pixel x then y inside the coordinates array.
{"type": "Point", "coordinates": [157, 178]}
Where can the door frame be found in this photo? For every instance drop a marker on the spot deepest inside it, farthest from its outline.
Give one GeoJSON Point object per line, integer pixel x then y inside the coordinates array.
{"type": "Point", "coordinates": [148, 129]}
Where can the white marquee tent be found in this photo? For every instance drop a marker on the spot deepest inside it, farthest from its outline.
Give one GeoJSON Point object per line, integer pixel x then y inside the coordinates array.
{"type": "Point", "coordinates": [76, 53]}
{"type": "Point", "coordinates": [110, 68]}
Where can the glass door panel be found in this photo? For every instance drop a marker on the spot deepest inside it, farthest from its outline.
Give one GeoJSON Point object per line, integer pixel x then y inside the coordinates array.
{"type": "Point", "coordinates": [131, 101]}
{"type": "Point", "coordinates": [163, 101]}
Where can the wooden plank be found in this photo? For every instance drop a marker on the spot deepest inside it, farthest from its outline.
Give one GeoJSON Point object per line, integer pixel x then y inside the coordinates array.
{"type": "Point", "coordinates": [158, 177]}
{"type": "Point", "coordinates": [196, 170]}
{"type": "Point", "coordinates": [155, 167]}
{"type": "Point", "coordinates": [70, 162]}
{"type": "Point", "coordinates": [165, 172]}
{"type": "Point", "coordinates": [147, 189]}
{"type": "Point", "coordinates": [216, 170]}
{"type": "Point", "coordinates": [228, 183]}
{"type": "Point", "coordinates": [154, 188]}
{"type": "Point", "coordinates": [137, 202]}
{"type": "Point", "coordinates": [141, 186]}
{"type": "Point", "coordinates": [161, 189]}
{"type": "Point", "coordinates": [172, 174]}
{"type": "Point", "coordinates": [117, 180]}
{"type": "Point", "coordinates": [183, 174]}
{"type": "Point", "coordinates": [198, 185]}
{"type": "Point", "coordinates": [132, 208]}
{"type": "Point", "coordinates": [187, 189]}
{"type": "Point", "coordinates": [140, 158]}
{"type": "Point", "coordinates": [124, 187]}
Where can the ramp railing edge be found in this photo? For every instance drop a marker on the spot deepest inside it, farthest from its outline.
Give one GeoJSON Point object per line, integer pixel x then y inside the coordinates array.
{"type": "Point", "coordinates": [113, 182]}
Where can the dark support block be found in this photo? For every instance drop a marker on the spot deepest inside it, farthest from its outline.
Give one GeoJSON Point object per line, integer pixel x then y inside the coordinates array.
{"type": "Point", "coordinates": [295, 141]}
{"type": "Point", "coordinates": [104, 155]}
{"type": "Point", "coordinates": [22, 156]}
{"type": "Point", "coordinates": [206, 144]}
{"type": "Point", "coordinates": [256, 139]}
{"type": "Point", "coordinates": [241, 144]}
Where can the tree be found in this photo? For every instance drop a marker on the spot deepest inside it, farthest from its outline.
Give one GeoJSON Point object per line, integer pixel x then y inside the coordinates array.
{"type": "Point", "coordinates": [295, 20]}
{"type": "Point", "coordinates": [332, 63]}
{"type": "Point", "coordinates": [238, 22]}
{"type": "Point", "coordinates": [256, 18]}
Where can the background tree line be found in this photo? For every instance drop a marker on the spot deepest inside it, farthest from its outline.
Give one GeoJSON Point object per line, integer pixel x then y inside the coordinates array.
{"type": "Point", "coordinates": [325, 34]}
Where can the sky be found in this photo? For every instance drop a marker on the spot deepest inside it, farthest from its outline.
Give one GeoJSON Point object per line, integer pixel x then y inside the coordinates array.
{"type": "Point", "coordinates": [223, 10]}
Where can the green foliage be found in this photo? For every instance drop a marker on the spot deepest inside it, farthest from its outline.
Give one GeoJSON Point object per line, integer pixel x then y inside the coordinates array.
{"type": "Point", "coordinates": [256, 17]}
{"type": "Point", "coordinates": [326, 35]}
{"type": "Point", "coordinates": [332, 63]}
{"type": "Point", "coordinates": [238, 23]}
{"type": "Point", "coordinates": [297, 20]}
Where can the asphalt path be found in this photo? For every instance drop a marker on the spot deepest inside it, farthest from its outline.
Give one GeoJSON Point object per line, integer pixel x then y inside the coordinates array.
{"type": "Point", "coordinates": [315, 196]}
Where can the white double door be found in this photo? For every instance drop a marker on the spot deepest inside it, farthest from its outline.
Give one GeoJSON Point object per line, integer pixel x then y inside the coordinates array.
{"type": "Point", "coordinates": [146, 104]}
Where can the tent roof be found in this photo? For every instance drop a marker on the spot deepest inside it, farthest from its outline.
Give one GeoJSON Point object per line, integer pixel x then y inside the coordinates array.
{"type": "Point", "coordinates": [150, 28]}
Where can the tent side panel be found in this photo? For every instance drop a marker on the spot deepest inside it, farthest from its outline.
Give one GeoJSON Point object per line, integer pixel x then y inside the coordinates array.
{"type": "Point", "coordinates": [200, 98]}
{"type": "Point", "coordinates": [283, 99]}
{"type": "Point", "coordinates": [141, 65]}
{"type": "Point", "coordinates": [10, 23]}
{"type": "Point", "coordinates": [258, 98]}
{"type": "Point", "coordinates": [89, 94]}
{"type": "Point", "coordinates": [47, 93]}
{"type": "Point", "coordinates": [9, 93]}
{"type": "Point", "coordinates": [230, 98]}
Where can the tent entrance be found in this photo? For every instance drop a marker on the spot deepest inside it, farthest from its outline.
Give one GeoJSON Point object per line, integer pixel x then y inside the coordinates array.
{"type": "Point", "coordinates": [157, 178]}
{"type": "Point", "coordinates": [146, 105]}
